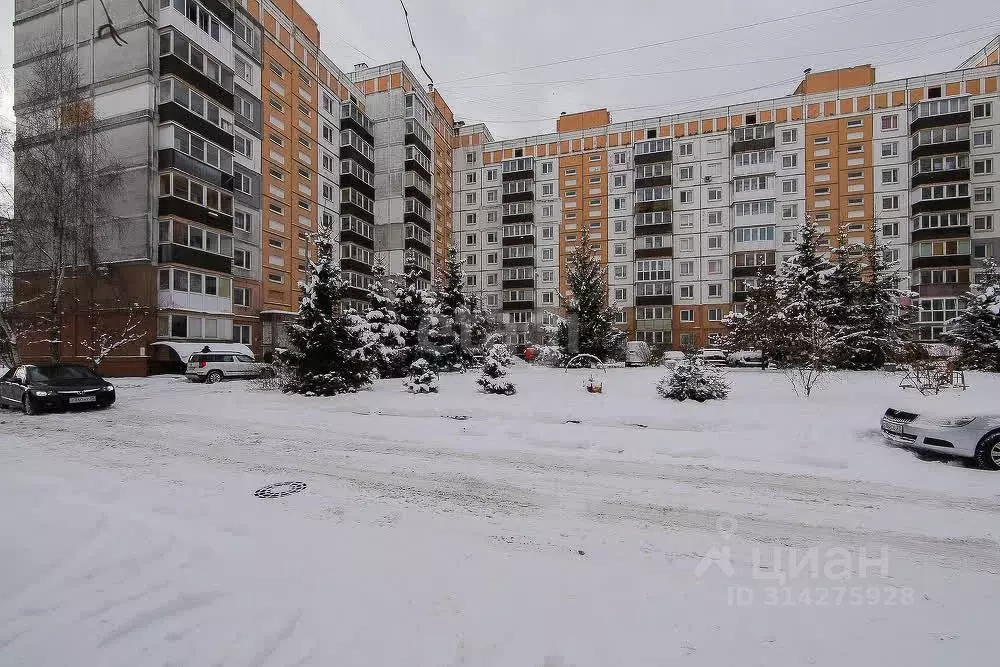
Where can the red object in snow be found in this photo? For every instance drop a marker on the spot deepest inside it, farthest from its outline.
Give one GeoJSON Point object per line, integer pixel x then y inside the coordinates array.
{"type": "Point", "coordinates": [529, 354]}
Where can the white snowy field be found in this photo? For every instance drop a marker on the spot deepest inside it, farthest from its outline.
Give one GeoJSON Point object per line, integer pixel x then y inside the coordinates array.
{"type": "Point", "coordinates": [132, 536]}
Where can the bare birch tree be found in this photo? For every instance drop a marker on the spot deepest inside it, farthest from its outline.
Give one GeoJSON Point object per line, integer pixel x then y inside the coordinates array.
{"type": "Point", "coordinates": [66, 182]}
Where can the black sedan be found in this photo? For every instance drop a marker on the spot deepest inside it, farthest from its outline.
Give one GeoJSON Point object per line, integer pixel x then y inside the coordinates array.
{"type": "Point", "coordinates": [38, 387]}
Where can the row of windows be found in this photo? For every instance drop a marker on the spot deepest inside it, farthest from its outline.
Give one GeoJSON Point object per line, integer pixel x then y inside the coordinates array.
{"type": "Point", "coordinates": [201, 149]}
{"type": "Point", "coordinates": [752, 234]}
{"type": "Point", "coordinates": [177, 91]}
{"type": "Point", "coordinates": [192, 236]}
{"type": "Point", "coordinates": [180, 46]}
{"type": "Point", "coordinates": [180, 280]}
{"type": "Point", "coordinates": [182, 187]}
{"type": "Point", "coordinates": [195, 327]}
{"type": "Point", "coordinates": [198, 15]}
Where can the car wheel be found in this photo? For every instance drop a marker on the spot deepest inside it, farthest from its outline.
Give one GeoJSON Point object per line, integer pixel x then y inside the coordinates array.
{"type": "Point", "coordinates": [213, 377]}
{"type": "Point", "coordinates": [29, 405]}
{"type": "Point", "coordinates": [988, 452]}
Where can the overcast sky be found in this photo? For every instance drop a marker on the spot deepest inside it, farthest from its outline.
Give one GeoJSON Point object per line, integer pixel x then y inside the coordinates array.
{"type": "Point", "coordinates": [474, 38]}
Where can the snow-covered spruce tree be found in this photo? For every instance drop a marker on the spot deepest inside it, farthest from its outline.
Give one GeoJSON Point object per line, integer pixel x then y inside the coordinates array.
{"type": "Point", "coordinates": [596, 330]}
{"type": "Point", "coordinates": [415, 311]}
{"type": "Point", "coordinates": [844, 284]}
{"type": "Point", "coordinates": [451, 335]}
{"type": "Point", "coordinates": [805, 295]}
{"type": "Point", "coordinates": [493, 378]}
{"type": "Point", "coordinates": [384, 322]}
{"type": "Point", "coordinates": [693, 379]}
{"type": "Point", "coordinates": [421, 378]}
{"type": "Point", "coordinates": [332, 351]}
{"type": "Point", "coordinates": [759, 326]}
{"type": "Point", "coordinates": [883, 321]}
{"type": "Point", "coordinates": [483, 322]}
{"type": "Point", "coordinates": [976, 331]}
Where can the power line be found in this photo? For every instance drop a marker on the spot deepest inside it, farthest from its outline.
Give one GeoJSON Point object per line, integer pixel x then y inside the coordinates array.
{"type": "Point", "coordinates": [675, 103]}
{"type": "Point", "coordinates": [420, 61]}
{"type": "Point", "coordinates": [742, 63]}
{"type": "Point", "coordinates": [675, 40]}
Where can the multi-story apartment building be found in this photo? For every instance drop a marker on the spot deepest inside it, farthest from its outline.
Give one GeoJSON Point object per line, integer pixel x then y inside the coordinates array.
{"type": "Point", "coordinates": [239, 140]}
{"type": "Point", "coordinates": [685, 210]}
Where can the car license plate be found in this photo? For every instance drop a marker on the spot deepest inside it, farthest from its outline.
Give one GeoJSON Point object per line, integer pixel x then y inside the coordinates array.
{"type": "Point", "coordinates": [83, 399]}
{"type": "Point", "coordinates": [892, 427]}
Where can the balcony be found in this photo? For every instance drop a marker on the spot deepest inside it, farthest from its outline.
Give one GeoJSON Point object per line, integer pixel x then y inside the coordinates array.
{"type": "Point", "coordinates": [350, 264]}
{"type": "Point", "coordinates": [415, 135]}
{"type": "Point", "coordinates": [654, 229]}
{"type": "Point", "coordinates": [932, 233]}
{"type": "Point", "coordinates": [351, 116]}
{"type": "Point", "coordinates": [170, 64]}
{"type": "Point", "coordinates": [941, 261]}
{"type": "Point", "coordinates": [517, 213]}
{"type": "Point", "coordinates": [518, 168]}
{"type": "Point", "coordinates": [518, 305]}
{"type": "Point", "coordinates": [182, 208]}
{"type": "Point", "coordinates": [752, 138]}
{"type": "Point", "coordinates": [650, 200]}
{"type": "Point", "coordinates": [739, 297]}
{"type": "Point", "coordinates": [205, 303]}
{"type": "Point", "coordinates": [654, 253]}
{"type": "Point", "coordinates": [652, 150]}
{"type": "Point", "coordinates": [949, 204]}
{"type": "Point", "coordinates": [416, 161]}
{"type": "Point", "coordinates": [417, 243]}
{"type": "Point", "coordinates": [168, 158]}
{"type": "Point", "coordinates": [664, 299]}
{"type": "Point", "coordinates": [171, 111]}
{"type": "Point", "coordinates": [942, 176]}
{"type": "Point", "coordinates": [940, 113]}
{"type": "Point", "coordinates": [415, 185]}
{"type": "Point", "coordinates": [751, 271]}
{"type": "Point", "coordinates": [511, 262]}
{"type": "Point", "coordinates": [518, 191]}
{"type": "Point", "coordinates": [179, 254]}
{"type": "Point", "coordinates": [943, 148]}
{"type": "Point", "coordinates": [522, 283]}
{"type": "Point", "coordinates": [523, 239]}
{"type": "Point", "coordinates": [417, 212]}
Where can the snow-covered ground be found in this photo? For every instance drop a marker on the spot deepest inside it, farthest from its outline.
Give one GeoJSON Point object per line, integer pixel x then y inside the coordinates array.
{"type": "Point", "coordinates": [649, 533]}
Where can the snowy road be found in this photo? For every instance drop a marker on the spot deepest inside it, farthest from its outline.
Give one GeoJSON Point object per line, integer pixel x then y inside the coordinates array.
{"type": "Point", "coordinates": [508, 538]}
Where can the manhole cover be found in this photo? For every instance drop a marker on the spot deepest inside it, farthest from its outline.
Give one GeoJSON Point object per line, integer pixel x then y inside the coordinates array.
{"type": "Point", "coordinates": [280, 489]}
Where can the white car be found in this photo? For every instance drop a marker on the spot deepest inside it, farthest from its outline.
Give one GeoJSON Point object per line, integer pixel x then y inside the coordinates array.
{"type": "Point", "coordinates": [212, 367]}
{"type": "Point", "coordinates": [745, 358]}
{"type": "Point", "coordinates": [968, 436]}
{"type": "Point", "coordinates": [713, 357]}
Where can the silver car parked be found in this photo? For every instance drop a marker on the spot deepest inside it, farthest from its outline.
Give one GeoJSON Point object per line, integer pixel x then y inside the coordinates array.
{"type": "Point", "coordinates": [974, 437]}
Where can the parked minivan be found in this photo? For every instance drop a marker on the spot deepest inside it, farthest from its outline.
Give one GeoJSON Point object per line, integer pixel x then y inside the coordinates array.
{"type": "Point", "coordinates": [212, 367]}
{"type": "Point", "coordinates": [637, 353]}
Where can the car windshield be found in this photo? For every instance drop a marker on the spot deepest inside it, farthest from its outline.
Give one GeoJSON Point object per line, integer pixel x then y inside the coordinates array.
{"type": "Point", "coordinates": [56, 374]}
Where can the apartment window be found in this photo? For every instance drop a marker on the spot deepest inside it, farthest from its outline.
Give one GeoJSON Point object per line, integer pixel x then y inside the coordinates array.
{"type": "Point", "coordinates": [686, 291]}
{"type": "Point", "coordinates": [570, 172]}
{"type": "Point", "coordinates": [491, 237]}
{"type": "Point", "coordinates": [982, 195]}
{"type": "Point", "coordinates": [546, 167]}
{"type": "Point", "coordinates": [789, 211]}
{"type": "Point", "coordinates": [982, 250]}
{"type": "Point", "coordinates": [715, 314]}
{"type": "Point", "coordinates": [548, 254]}
{"type": "Point", "coordinates": [890, 122]}
{"type": "Point", "coordinates": [619, 157]}
{"type": "Point", "coordinates": [789, 160]}
{"type": "Point", "coordinates": [713, 146]}
{"type": "Point", "coordinates": [594, 202]}
{"type": "Point", "coordinates": [855, 122]}
{"type": "Point", "coordinates": [470, 178]}
{"type": "Point", "coordinates": [491, 174]}
{"type": "Point", "coordinates": [685, 244]}
{"type": "Point", "coordinates": [856, 201]}
{"type": "Point", "coordinates": [547, 211]}
{"type": "Point", "coordinates": [856, 148]}
{"type": "Point", "coordinates": [470, 280]}
{"type": "Point", "coordinates": [547, 189]}
{"type": "Point", "coordinates": [492, 258]}
{"type": "Point", "coordinates": [686, 149]}
{"type": "Point", "coordinates": [890, 148]}
{"type": "Point", "coordinates": [470, 158]}
{"type": "Point", "coordinates": [491, 196]}
{"type": "Point", "coordinates": [242, 183]}
{"type": "Point", "coordinates": [984, 138]}
{"type": "Point", "coordinates": [714, 291]}
{"type": "Point", "coordinates": [687, 315]}
{"type": "Point", "coordinates": [823, 191]}
{"type": "Point", "coordinates": [982, 110]}
{"type": "Point", "coordinates": [621, 226]}
{"type": "Point", "coordinates": [619, 181]}
{"type": "Point", "coordinates": [619, 250]}
{"type": "Point", "coordinates": [822, 165]}
{"type": "Point", "coordinates": [548, 276]}
{"type": "Point", "coordinates": [470, 239]}
{"type": "Point", "coordinates": [715, 266]}
{"type": "Point", "coordinates": [686, 268]}
{"type": "Point", "coordinates": [715, 194]}
{"type": "Point", "coordinates": [621, 294]}
{"type": "Point", "coordinates": [714, 218]}
{"type": "Point", "coordinates": [789, 186]}
{"type": "Point", "coordinates": [471, 260]}
{"type": "Point", "coordinates": [242, 145]}
{"type": "Point", "coordinates": [621, 271]}
{"type": "Point", "coordinates": [686, 196]}
{"type": "Point", "coordinates": [470, 218]}
{"type": "Point", "coordinates": [241, 221]}
{"type": "Point", "coordinates": [789, 136]}
{"type": "Point", "coordinates": [788, 236]}
{"type": "Point", "coordinates": [687, 173]}
{"type": "Point", "coordinates": [241, 258]}
{"type": "Point", "coordinates": [470, 198]}
{"type": "Point", "coordinates": [714, 242]}
{"type": "Point", "coordinates": [890, 176]}
{"type": "Point", "coordinates": [980, 167]}
{"type": "Point", "coordinates": [819, 141]}
{"type": "Point", "coordinates": [618, 204]}
{"type": "Point", "coordinates": [594, 157]}
{"type": "Point", "coordinates": [890, 203]}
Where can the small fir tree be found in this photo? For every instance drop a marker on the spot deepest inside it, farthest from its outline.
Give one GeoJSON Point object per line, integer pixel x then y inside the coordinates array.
{"type": "Point", "coordinates": [976, 331]}
{"type": "Point", "coordinates": [415, 311]}
{"type": "Point", "coordinates": [384, 322]}
{"type": "Point", "coordinates": [493, 378]}
{"type": "Point", "coordinates": [884, 316]}
{"type": "Point", "coordinates": [843, 310]}
{"type": "Point", "coordinates": [594, 331]}
{"type": "Point", "coordinates": [332, 351]}
{"type": "Point", "coordinates": [421, 378]}
{"type": "Point", "coordinates": [759, 326]}
{"type": "Point", "coordinates": [483, 323]}
{"type": "Point", "coordinates": [805, 293]}
{"type": "Point", "coordinates": [693, 379]}
{"type": "Point", "coordinates": [451, 335]}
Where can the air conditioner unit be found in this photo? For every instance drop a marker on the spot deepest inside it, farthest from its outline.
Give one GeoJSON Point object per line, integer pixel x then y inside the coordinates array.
{"type": "Point", "coordinates": [708, 179]}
